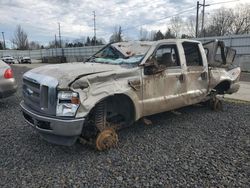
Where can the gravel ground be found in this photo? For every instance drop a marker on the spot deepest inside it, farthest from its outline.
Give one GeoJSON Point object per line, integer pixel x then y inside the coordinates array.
{"type": "Point", "coordinates": [193, 148]}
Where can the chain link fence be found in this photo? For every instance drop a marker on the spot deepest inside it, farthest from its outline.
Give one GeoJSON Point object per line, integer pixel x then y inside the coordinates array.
{"type": "Point", "coordinates": [55, 55]}
{"type": "Point", "coordinates": [241, 43]}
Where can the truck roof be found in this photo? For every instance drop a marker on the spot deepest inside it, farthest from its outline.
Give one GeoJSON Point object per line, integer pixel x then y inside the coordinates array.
{"type": "Point", "coordinates": [130, 48]}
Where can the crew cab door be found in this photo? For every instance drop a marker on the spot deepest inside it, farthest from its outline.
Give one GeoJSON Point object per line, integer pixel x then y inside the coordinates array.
{"type": "Point", "coordinates": [196, 72]}
{"type": "Point", "coordinates": [163, 80]}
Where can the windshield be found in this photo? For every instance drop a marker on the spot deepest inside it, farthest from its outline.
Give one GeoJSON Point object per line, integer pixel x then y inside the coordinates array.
{"type": "Point", "coordinates": [118, 54]}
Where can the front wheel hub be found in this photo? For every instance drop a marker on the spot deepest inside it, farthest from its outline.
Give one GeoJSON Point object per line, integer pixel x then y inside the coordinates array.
{"type": "Point", "coordinates": [106, 139]}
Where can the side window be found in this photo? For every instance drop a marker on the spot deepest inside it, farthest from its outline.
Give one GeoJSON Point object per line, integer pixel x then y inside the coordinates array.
{"type": "Point", "coordinates": [192, 54]}
{"type": "Point", "coordinates": [167, 55]}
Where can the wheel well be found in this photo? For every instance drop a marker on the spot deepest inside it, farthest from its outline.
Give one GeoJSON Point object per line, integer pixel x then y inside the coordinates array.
{"type": "Point", "coordinates": [222, 87]}
{"type": "Point", "coordinates": [119, 104]}
{"type": "Point", "coordinates": [122, 105]}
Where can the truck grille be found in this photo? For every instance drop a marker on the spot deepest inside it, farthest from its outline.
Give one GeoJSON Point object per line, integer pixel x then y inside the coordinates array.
{"type": "Point", "coordinates": [40, 94]}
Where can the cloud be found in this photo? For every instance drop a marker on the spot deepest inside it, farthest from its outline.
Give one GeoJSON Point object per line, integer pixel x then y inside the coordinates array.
{"type": "Point", "coordinates": [40, 18]}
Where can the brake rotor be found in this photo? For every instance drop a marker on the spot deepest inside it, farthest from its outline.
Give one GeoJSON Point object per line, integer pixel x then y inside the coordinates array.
{"type": "Point", "coordinates": [106, 139]}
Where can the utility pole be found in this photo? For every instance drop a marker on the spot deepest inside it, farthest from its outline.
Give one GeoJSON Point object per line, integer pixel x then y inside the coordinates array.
{"type": "Point", "coordinates": [55, 42]}
{"type": "Point", "coordinates": [202, 21]}
{"type": "Point", "coordinates": [94, 28]}
{"type": "Point", "coordinates": [197, 19]}
{"type": "Point", "coordinates": [3, 41]}
{"type": "Point", "coordinates": [60, 39]}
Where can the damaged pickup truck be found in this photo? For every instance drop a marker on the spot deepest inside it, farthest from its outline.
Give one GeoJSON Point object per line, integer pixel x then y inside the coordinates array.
{"type": "Point", "coordinates": [122, 83]}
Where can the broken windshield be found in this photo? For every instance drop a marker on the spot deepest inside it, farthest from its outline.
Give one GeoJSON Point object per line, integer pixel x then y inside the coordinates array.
{"type": "Point", "coordinates": [120, 53]}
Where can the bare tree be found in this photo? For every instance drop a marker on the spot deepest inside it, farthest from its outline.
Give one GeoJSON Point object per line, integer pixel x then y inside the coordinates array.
{"type": "Point", "coordinates": [169, 34]}
{"type": "Point", "coordinates": [144, 35]}
{"type": "Point", "coordinates": [176, 25]}
{"type": "Point", "coordinates": [190, 25]}
{"type": "Point", "coordinates": [241, 19]}
{"type": "Point", "coordinates": [20, 38]}
{"type": "Point", "coordinates": [34, 45]}
{"type": "Point", "coordinates": [117, 35]}
{"type": "Point", "coordinates": [222, 20]}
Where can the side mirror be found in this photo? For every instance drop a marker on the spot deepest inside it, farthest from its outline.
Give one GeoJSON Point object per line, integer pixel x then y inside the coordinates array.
{"type": "Point", "coordinates": [150, 69]}
{"type": "Point", "coordinates": [150, 66]}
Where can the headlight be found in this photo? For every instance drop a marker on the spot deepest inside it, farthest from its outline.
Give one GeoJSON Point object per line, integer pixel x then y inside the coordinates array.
{"type": "Point", "coordinates": [67, 103]}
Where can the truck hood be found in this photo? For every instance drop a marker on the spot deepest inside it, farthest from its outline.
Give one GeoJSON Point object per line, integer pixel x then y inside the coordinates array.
{"type": "Point", "coordinates": [69, 72]}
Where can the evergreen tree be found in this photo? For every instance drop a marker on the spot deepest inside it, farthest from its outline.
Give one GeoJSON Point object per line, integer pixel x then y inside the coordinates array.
{"type": "Point", "coordinates": [169, 34]}
{"type": "Point", "coordinates": [158, 35]}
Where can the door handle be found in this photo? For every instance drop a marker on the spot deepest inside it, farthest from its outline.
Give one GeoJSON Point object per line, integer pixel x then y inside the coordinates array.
{"type": "Point", "coordinates": [182, 78]}
{"type": "Point", "coordinates": [204, 75]}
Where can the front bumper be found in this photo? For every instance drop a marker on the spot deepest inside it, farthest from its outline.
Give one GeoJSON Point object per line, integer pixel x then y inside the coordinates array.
{"type": "Point", "coordinates": [54, 129]}
{"type": "Point", "coordinates": [7, 87]}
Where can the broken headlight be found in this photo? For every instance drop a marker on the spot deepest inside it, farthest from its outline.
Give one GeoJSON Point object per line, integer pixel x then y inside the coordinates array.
{"type": "Point", "coordinates": [67, 103]}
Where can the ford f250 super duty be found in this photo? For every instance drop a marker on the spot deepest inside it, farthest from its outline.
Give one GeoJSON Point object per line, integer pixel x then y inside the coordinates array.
{"type": "Point", "coordinates": [122, 83]}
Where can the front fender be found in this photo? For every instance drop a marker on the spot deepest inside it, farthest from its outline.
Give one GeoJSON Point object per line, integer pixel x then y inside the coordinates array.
{"type": "Point", "coordinates": [99, 91]}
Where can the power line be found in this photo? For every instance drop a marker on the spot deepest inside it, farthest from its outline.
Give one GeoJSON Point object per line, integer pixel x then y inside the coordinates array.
{"type": "Point", "coordinates": [179, 13]}
{"type": "Point", "coordinates": [203, 14]}
{"type": "Point", "coordinates": [130, 8]}
{"type": "Point", "coordinates": [222, 2]}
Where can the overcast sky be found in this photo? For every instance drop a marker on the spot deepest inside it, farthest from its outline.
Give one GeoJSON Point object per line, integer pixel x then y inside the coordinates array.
{"type": "Point", "coordinates": [40, 18]}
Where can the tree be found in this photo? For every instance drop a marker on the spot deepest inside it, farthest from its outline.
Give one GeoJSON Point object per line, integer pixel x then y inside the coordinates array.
{"type": "Point", "coordinates": [52, 44]}
{"type": "Point", "coordinates": [185, 36]}
{"type": "Point", "coordinates": [169, 34]}
{"type": "Point", "coordinates": [144, 35]}
{"type": "Point", "coordinates": [93, 41]}
{"type": "Point", "coordinates": [20, 39]}
{"type": "Point", "coordinates": [34, 45]}
{"type": "Point", "coordinates": [176, 24]}
{"type": "Point", "coordinates": [1, 46]}
{"type": "Point", "coordinates": [190, 25]}
{"type": "Point", "coordinates": [221, 22]}
{"type": "Point", "coordinates": [117, 35]}
{"type": "Point", "coordinates": [88, 42]}
{"type": "Point", "coordinates": [158, 35]}
{"type": "Point", "coordinates": [241, 19]}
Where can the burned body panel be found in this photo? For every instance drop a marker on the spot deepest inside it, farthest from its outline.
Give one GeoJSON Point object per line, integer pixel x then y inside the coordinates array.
{"type": "Point", "coordinates": [124, 82]}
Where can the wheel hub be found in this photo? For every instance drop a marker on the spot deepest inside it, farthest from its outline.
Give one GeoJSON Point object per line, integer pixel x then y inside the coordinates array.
{"type": "Point", "coordinates": [106, 139]}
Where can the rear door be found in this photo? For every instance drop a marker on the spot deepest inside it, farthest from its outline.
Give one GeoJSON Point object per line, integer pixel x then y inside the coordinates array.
{"type": "Point", "coordinates": [197, 72]}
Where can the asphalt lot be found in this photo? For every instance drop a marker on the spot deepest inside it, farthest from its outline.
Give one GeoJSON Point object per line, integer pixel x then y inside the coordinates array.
{"type": "Point", "coordinates": [195, 147]}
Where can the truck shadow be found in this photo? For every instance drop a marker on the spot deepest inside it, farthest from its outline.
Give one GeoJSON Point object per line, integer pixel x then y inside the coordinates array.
{"type": "Point", "coordinates": [166, 120]}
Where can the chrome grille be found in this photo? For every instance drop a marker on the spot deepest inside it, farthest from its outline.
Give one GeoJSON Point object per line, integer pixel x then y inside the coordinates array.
{"type": "Point", "coordinates": [31, 93]}
{"type": "Point", "coordinates": [39, 92]}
